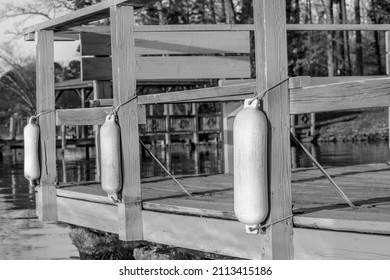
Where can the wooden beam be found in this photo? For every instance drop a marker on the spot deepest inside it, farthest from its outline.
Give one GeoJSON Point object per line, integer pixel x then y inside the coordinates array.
{"type": "Point", "coordinates": [172, 67]}
{"type": "Point", "coordinates": [124, 86]}
{"type": "Point", "coordinates": [195, 42]}
{"type": "Point", "coordinates": [225, 236]}
{"type": "Point", "coordinates": [341, 96]}
{"type": "Point", "coordinates": [101, 89]}
{"type": "Point", "coordinates": [311, 244]}
{"type": "Point", "coordinates": [72, 32]}
{"type": "Point", "coordinates": [46, 196]}
{"type": "Point", "coordinates": [91, 116]}
{"type": "Point", "coordinates": [85, 15]}
{"type": "Point", "coordinates": [338, 27]}
{"type": "Point", "coordinates": [198, 95]}
{"type": "Point", "coordinates": [271, 67]}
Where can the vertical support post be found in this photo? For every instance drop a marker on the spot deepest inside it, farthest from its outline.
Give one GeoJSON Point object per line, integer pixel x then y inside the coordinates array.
{"type": "Point", "coordinates": [101, 90]}
{"type": "Point", "coordinates": [63, 138]}
{"type": "Point", "coordinates": [167, 113]}
{"type": "Point", "coordinates": [312, 124]}
{"type": "Point", "coordinates": [271, 67]}
{"type": "Point", "coordinates": [124, 86]}
{"type": "Point", "coordinates": [84, 131]}
{"type": "Point", "coordinates": [12, 127]}
{"type": "Point", "coordinates": [47, 192]}
{"type": "Point", "coordinates": [387, 45]}
{"type": "Point", "coordinates": [195, 107]}
{"type": "Point", "coordinates": [227, 124]}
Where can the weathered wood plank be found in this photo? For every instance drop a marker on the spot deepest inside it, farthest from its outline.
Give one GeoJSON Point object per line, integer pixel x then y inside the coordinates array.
{"type": "Point", "coordinates": [338, 27]}
{"type": "Point", "coordinates": [341, 96]}
{"type": "Point", "coordinates": [91, 116]}
{"type": "Point", "coordinates": [310, 244]}
{"type": "Point", "coordinates": [172, 67]}
{"type": "Point", "coordinates": [85, 15]}
{"type": "Point", "coordinates": [351, 221]}
{"type": "Point", "coordinates": [88, 214]}
{"type": "Point", "coordinates": [271, 67]}
{"type": "Point", "coordinates": [124, 87]}
{"type": "Point", "coordinates": [211, 235]}
{"type": "Point", "coordinates": [198, 95]}
{"type": "Point", "coordinates": [196, 42]}
{"type": "Point", "coordinates": [46, 204]}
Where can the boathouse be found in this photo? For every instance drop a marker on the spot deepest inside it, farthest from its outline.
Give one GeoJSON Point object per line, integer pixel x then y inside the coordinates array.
{"type": "Point", "coordinates": [307, 218]}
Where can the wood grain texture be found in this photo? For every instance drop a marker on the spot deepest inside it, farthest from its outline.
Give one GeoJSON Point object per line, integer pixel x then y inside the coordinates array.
{"type": "Point", "coordinates": [45, 101]}
{"type": "Point", "coordinates": [85, 15]}
{"type": "Point", "coordinates": [271, 67]}
{"type": "Point", "coordinates": [341, 96]}
{"type": "Point", "coordinates": [88, 214]}
{"type": "Point", "coordinates": [91, 116]}
{"type": "Point", "coordinates": [124, 87]}
{"type": "Point", "coordinates": [195, 42]}
{"type": "Point", "coordinates": [310, 244]}
{"type": "Point", "coordinates": [171, 67]}
{"type": "Point", "coordinates": [199, 95]}
{"type": "Point", "coordinates": [210, 235]}
{"type": "Point", "coordinates": [338, 27]}
{"type": "Point", "coordinates": [227, 124]}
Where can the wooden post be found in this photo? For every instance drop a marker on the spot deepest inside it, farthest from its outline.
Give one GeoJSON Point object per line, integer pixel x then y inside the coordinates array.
{"type": "Point", "coordinates": [101, 90]}
{"type": "Point", "coordinates": [124, 86]}
{"type": "Point", "coordinates": [47, 192]}
{"type": "Point", "coordinates": [387, 45]}
{"type": "Point", "coordinates": [227, 124]}
{"type": "Point", "coordinates": [271, 68]}
{"type": "Point", "coordinates": [12, 127]}
{"type": "Point", "coordinates": [312, 125]}
{"type": "Point", "coordinates": [195, 107]}
{"type": "Point", "coordinates": [167, 113]}
{"type": "Point", "coordinates": [63, 138]}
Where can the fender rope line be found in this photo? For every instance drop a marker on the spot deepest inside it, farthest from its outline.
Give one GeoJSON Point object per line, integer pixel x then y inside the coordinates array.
{"type": "Point", "coordinates": [261, 95]}
{"type": "Point", "coordinates": [340, 191]}
{"type": "Point", "coordinates": [42, 113]}
{"type": "Point", "coordinates": [115, 109]}
{"type": "Point", "coordinates": [163, 167]}
{"type": "Point", "coordinates": [270, 223]}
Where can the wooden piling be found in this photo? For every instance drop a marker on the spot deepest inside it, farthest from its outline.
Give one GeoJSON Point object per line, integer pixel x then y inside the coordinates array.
{"type": "Point", "coordinates": [387, 47]}
{"type": "Point", "coordinates": [101, 90]}
{"type": "Point", "coordinates": [271, 67]}
{"type": "Point", "coordinates": [124, 87]}
{"type": "Point", "coordinates": [47, 193]}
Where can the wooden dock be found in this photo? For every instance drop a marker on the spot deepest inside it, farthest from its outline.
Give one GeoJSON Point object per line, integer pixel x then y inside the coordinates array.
{"type": "Point", "coordinates": [325, 227]}
{"type": "Point", "coordinates": [322, 227]}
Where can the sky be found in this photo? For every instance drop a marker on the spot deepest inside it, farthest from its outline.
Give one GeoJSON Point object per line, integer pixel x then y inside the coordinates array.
{"type": "Point", "coordinates": [63, 51]}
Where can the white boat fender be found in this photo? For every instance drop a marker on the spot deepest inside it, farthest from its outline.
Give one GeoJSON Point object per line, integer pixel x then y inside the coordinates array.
{"type": "Point", "coordinates": [32, 170]}
{"type": "Point", "coordinates": [250, 166]}
{"type": "Point", "coordinates": [111, 174]}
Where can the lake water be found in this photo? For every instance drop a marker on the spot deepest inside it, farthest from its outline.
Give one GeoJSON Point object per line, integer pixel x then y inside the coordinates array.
{"type": "Point", "coordinates": [22, 236]}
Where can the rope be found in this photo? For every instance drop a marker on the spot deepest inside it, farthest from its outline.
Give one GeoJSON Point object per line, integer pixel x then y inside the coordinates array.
{"type": "Point", "coordinates": [339, 190]}
{"type": "Point", "coordinates": [120, 105]}
{"type": "Point", "coordinates": [163, 167]}
{"type": "Point", "coordinates": [261, 95]}
{"type": "Point", "coordinates": [271, 223]}
{"type": "Point", "coordinates": [42, 113]}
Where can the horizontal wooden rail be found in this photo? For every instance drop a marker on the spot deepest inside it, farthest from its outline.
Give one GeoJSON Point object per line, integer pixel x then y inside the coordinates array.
{"type": "Point", "coordinates": [341, 96]}
{"type": "Point", "coordinates": [172, 67]}
{"type": "Point", "coordinates": [199, 95]}
{"type": "Point", "coordinates": [90, 116]}
{"type": "Point", "coordinates": [71, 33]}
{"type": "Point", "coordinates": [85, 15]}
{"type": "Point", "coordinates": [196, 42]}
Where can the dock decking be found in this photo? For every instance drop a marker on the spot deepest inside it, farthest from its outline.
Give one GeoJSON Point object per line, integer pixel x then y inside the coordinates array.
{"type": "Point", "coordinates": [169, 215]}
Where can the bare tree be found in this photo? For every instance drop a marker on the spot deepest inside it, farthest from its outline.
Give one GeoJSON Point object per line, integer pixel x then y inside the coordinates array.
{"type": "Point", "coordinates": [17, 77]}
